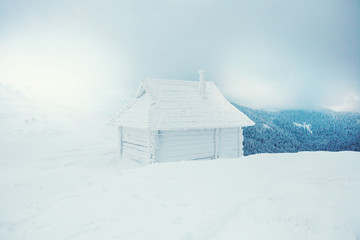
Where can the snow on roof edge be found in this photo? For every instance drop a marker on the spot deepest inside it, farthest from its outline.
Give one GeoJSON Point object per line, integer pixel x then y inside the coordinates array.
{"type": "Point", "coordinates": [151, 86]}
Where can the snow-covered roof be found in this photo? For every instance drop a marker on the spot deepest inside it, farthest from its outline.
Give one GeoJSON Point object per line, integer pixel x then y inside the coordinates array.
{"type": "Point", "coordinates": [177, 104]}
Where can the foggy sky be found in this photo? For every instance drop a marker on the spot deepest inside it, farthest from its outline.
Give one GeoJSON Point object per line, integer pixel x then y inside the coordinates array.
{"type": "Point", "coordinates": [263, 54]}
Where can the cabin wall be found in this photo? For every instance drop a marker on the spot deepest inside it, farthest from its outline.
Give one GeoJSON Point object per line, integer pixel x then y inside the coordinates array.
{"type": "Point", "coordinates": [171, 146]}
{"type": "Point", "coordinates": [228, 143]}
{"type": "Point", "coordinates": [135, 144]}
{"type": "Point", "coordinates": [241, 142]}
{"type": "Point", "coordinates": [185, 145]}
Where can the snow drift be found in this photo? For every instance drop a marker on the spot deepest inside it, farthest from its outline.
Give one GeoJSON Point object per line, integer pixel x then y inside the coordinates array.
{"type": "Point", "coordinates": [268, 196]}
{"type": "Point", "coordinates": [60, 179]}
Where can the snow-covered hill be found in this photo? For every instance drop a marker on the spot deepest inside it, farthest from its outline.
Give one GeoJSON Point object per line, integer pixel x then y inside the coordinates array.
{"type": "Point", "coordinates": [32, 128]}
{"type": "Point", "coordinates": [267, 196]}
{"type": "Point", "coordinates": [301, 130]}
{"type": "Point", "coordinates": [60, 178]}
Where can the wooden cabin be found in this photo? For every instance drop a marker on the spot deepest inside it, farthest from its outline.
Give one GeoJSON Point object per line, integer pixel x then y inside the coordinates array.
{"type": "Point", "coordinates": [174, 120]}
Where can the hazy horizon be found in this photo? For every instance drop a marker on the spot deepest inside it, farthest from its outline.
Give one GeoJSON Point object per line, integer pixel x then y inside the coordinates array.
{"type": "Point", "coordinates": [261, 54]}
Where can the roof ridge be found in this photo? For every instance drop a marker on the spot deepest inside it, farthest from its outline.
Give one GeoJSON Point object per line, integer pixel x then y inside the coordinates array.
{"type": "Point", "coordinates": [172, 80]}
{"type": "Point", "coordinates": [177, 104]}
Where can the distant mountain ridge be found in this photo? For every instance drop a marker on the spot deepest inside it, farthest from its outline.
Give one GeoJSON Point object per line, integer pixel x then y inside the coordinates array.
{"type": "Point", "coordinates": [300, 130]}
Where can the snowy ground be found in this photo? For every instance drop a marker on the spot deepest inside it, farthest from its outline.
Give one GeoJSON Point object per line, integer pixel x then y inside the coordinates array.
{"type": "Point", "coordinates": [269, 196]}
{"type": "Point", "coordinates": [60, 179]}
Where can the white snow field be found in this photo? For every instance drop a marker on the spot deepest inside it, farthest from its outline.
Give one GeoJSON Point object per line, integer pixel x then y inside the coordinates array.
{"type": "Point", "coordinates": [60, 178]}
{"type": "Point", "coordinates": [268, 196]}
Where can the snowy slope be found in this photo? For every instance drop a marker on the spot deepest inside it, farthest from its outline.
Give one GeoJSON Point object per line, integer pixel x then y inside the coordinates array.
{"type": "Point", "coordinates": [268, 196]}
{"type": "Point", "coordinates": [60, 178]}
{"type": "Point", "coordinates": [301, 130]}
{"type": "Point", "coordinates": [32, 129]}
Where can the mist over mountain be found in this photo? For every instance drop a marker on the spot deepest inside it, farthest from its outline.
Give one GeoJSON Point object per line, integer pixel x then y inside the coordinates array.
{"type": "Point", "coordinates": [35, 123]}
{"type": "Point", "coordinates": [300, 130]}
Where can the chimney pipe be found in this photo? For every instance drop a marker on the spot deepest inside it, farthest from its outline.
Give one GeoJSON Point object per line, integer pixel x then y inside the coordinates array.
{"type": "Point", "coordinates": [202, 84]}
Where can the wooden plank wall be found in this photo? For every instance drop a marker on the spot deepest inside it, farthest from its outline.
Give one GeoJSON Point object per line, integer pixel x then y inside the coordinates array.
{"type": "Point", "coordinates": [185, 145]}
{"type": "Point", "coordinates": [182, 145]}
{"type": "Point", "coordinates": [229, 143]}
{"type": "Point", "coordinates": [241, 142]}
{"type": "Point", "coordinates": [135, 144]}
